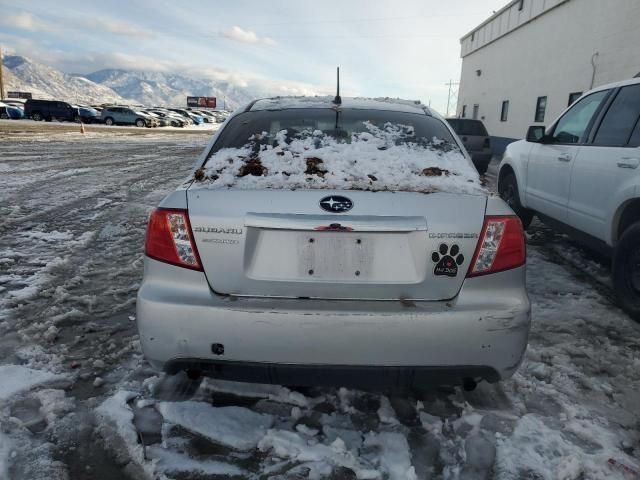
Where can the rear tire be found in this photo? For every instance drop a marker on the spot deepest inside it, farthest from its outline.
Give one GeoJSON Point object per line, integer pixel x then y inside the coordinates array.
{"type": "Point", "coordinates": [108, 121]}
{"type": "Point", "coordinates": [139, 123]}
{"type": "Point", "coordinates": [626, 271]}
{"type": "Point", "coordinates": [508, 190]}
{"type": "Point", "coordinates": [4, 116]}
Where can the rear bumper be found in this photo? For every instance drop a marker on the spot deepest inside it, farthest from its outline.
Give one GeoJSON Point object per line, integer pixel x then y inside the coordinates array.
{"type": "Point", "coordinates": [480, 334]}
{"type": "Point", "coordinates": [366, 377]}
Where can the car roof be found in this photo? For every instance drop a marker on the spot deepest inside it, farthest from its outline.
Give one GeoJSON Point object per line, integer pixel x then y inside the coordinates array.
{"type": "Point", "coordinates": [622, 83]}
{"type": "Point", "coordinates": [463, 119]}
{"type": "Point", "coordinates": [382, 103]}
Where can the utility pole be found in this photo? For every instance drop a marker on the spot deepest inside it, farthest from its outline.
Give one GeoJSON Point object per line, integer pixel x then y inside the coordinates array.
{"type": "Point", "coordinates": [452, 92]}
{"type": "Point", "coordinates": [1, 78]}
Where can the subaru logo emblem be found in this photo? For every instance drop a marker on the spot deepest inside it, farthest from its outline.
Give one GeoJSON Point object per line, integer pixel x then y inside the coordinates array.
{"type": "Point", "coordinates": [336, 204]}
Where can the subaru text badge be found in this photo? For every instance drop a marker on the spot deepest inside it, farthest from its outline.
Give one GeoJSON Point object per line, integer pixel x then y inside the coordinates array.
{"type": "Point", "coordinates": [336, 204]}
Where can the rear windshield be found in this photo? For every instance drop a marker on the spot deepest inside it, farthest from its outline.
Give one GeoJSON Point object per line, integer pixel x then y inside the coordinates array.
{"type": "Point", "coordinates": [468, 127]}
{"type": "Point", "coordinates": [351, 149]}
{"type": "Point", "coordinates": [342, 126]}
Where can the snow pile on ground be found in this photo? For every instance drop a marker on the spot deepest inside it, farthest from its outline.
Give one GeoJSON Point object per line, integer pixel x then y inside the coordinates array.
{"type": "Point", "coordinates": [172, 463]}
{"type": "Point", "coordinates": [16, 379]}
{"type": "Point", "coordinates": [395, 456]}
{"type": "Point", "coordinates": [389, 158]}
{"type": "Point", "coordinates": [54, 403]}
{"type": "Point", "coordinates": [6, 448]}
{"type": "Point", "coordinates": [235, 427]}
{"type": "Point", "coordinates": [115, 421]}
{"type": "Point", "coordinates": [277, 393]}
{"type": "Point", "coordinates": [319, 458]}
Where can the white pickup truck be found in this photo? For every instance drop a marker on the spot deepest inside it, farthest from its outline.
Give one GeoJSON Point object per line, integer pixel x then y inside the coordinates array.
{"type": "Point", "coordinates": [582, 176]}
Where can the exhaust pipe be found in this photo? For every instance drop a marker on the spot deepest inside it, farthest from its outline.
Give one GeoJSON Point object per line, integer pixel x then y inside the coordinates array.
{"type": "Point", "coordinates": [469, 384]}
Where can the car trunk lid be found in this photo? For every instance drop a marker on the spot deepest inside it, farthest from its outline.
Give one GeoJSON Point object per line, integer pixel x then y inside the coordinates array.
{"type": "Point", "coordinates": [389, 245]}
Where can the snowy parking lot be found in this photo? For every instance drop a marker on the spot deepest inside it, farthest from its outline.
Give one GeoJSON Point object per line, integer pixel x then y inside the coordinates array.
{"type": "Point", "coordinates": [78, 401]}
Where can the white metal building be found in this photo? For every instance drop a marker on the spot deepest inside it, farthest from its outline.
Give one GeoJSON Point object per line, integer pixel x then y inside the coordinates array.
{"type": "Point", "coordinates": [526, 63]}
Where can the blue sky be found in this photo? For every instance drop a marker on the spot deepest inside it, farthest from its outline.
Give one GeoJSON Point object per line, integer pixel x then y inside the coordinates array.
{"type": "Point", "coordinates": [397, 48]}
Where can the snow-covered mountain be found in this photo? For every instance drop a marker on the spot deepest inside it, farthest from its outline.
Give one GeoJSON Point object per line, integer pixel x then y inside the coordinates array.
{"type": "Point", "coordinates": [157, 88]}
{"type": "Point", "coordinates": [116, 86]}
{"type": "Point", "coordinates": [47, 82]}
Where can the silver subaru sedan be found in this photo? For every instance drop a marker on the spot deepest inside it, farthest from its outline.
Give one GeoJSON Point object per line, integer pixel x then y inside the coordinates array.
{"type": "Point", "coordinates": [342, 241]}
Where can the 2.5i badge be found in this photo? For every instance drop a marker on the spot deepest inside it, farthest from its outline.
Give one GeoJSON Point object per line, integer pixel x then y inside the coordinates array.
{"type": "Point", "coordinates": [447, 259]}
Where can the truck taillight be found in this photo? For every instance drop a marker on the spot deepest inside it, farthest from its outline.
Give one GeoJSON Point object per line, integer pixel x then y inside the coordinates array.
{"type": "Point", "coordinates": [501, 246]}
{"type": "Point", "coordinates": [169, 238]}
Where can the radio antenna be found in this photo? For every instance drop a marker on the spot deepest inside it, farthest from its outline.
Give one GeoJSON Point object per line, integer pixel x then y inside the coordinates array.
{"type": "Point", "coordinates": [338, 99]}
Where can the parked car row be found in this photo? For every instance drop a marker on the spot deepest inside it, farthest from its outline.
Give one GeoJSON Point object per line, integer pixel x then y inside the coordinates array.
{"type": "Point", "coordinates": [140, 116]}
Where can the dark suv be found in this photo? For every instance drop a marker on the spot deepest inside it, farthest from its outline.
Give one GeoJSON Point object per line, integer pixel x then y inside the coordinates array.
{"type": "Point", "coordinates": [49, 109]}
{"type": "Point", "coordinates": [475, 139]}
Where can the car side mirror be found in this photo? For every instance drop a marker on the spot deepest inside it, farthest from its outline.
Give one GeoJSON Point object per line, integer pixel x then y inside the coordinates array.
{"type": "Point", "coordinates": [535, 134]}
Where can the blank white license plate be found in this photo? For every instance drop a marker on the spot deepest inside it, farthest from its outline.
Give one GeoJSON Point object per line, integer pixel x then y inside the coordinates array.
{"type": "Point", "coordinates": [335, 256]}
{"type": "Point", "coordinates": [339, 257]}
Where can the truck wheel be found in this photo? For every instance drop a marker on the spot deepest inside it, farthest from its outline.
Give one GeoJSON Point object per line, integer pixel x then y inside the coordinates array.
{"type": "Point", "coordinates": [139, 123]}
{"type": "Point", "coordinates": [508, 190]}
{"type": "Point", "coordinates": [36, 116]}
{"type": "Point", "coordinates": [108, 121]}
{"type": "Point", "coordinates": [626, 271]}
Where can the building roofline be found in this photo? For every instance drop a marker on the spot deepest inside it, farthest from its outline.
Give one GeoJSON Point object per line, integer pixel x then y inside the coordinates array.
{"type": "Point", "coordinates": [508, 32]}
{"type": "Point", "coordinates": [498, 12]}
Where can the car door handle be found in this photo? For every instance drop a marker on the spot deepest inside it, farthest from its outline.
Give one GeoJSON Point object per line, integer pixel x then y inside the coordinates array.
{"type": "Point", "coordinates": [629, 162]}
{"type": "Point", "coordinates": [565, 157]}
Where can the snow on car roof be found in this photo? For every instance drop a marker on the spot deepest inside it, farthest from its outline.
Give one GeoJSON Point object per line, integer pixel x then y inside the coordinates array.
{"type": "Point", "coordinates": [381, 103]}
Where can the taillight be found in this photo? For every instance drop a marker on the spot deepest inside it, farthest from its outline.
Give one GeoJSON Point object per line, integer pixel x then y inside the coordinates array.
{"type": "Point", "coordinates": [501, 246]}
{"type": "Point", "coordinates": [169, 238]}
